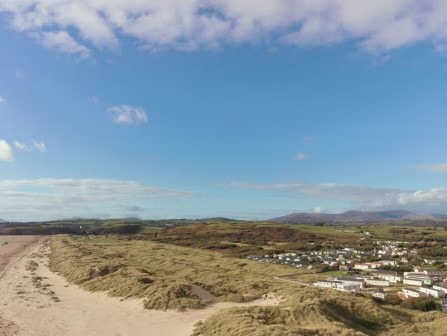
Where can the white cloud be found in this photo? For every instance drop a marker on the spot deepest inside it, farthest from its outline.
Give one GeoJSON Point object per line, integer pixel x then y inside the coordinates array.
{"type": "Point", "coordinates": [377, 26]}
{"type": "Point", "coordinates": [2, 100]}
{"type": "Point", "coordinates": [126, 114]}
{"type": "Point", "coordinates": [38, 146]}
{"type": "Point", "coordinates": [62, 42]}
{"type": "Point", "coordinates": [361, 197]}
{"type": "Point", "coordinates": [301, 156]}
{"type": "Point", "coordinates": [435, 167]}
{"type": "Point", "coordinates": [6, 151]}
{"type": "Point", "coordinates": [56, 198]}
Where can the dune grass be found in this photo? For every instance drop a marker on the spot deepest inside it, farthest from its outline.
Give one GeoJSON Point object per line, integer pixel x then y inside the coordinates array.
{"type": "Point", "coordinates": [163, 275]}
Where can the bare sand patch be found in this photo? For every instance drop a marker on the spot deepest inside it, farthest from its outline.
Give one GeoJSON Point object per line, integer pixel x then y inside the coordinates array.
{"type": "Point", "coordinates": [40, 303]}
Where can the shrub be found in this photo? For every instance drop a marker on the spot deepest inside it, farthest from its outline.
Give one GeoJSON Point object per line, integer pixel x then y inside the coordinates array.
{"type": "Point", "coordinates": [422, 304]}
{"type": "Point", "coordinates": [392, 299]}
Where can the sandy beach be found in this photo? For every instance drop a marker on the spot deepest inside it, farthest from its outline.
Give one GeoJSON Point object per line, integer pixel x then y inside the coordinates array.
{"type": "Point", "coordinates": [36, 302]}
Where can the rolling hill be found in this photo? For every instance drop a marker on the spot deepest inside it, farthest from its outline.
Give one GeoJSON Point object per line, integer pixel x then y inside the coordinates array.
{"type": "Point", "coordinates": [354, 216]}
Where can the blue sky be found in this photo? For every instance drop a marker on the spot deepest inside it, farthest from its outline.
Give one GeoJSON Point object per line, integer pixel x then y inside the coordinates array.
{"type": "Point", "coordinates": [132, 122]}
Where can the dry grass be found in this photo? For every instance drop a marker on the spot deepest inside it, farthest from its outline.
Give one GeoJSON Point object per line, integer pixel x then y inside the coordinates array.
{"type": "Point", "coordinates": [316, 312]}
{"type": "Point", "coordinates": [163, 276]}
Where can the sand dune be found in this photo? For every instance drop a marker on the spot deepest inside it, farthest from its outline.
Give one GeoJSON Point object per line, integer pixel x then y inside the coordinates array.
{"type": "Point", "coordinates": [40, 303]}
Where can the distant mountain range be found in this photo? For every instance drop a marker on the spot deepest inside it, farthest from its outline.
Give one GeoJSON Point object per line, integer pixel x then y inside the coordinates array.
{"type": "Point", "coordinates": [355, 216]}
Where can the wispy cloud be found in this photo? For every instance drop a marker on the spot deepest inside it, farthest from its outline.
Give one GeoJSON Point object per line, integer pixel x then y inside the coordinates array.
{"type": "Point", "coordinates": [361, 197]}
{"type": "Point", "coordinates": [309, 139]}
{"type": "Point", "coordinates": [19, 74]}
{"type": "Point", "coordinates": [6, 151]}
{"type": "Point", "coordinates": [2, 100]}
{"type": "Point", "coordinates": [62, 42]}
{"type": "Point", "coordinates": [376, 26]}
{"type": "Point", "coordinates": [38, 146]}
{"type": "Point", "coordinates": [301, 156]}
{"type": "Point", "coordinates": [53, 198]}
{"type": "Point", "coordinates": [128, 115]}
{"type": "Point", "coordinates": [434, 167]}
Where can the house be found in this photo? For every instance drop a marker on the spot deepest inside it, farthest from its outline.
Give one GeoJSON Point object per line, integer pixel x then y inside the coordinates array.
{"type": "Point", "coordinates": [431, 292]}
{"type": "Point", "coordinates": [367, 266]}
{"type": "Point", "coordinates": [434, 274]}
{"type": "Point", "coordinates": [361, 267]}
{"type": "Point", "coordinates": [337, 285]}
{"type": "Point", "coordinates": [389, 262]}
{"type": "Point", "coordinates": [426, 279]}
{"type": "Point", "coordinates": [379, 295]}
{"type": "Point", "coordinates": [377, 282]}
{"type": "Point", "coordinates": [390, 276]}
{"type": "Point", "coordinates": [351, 280]}
{"type": "Point", "coordinates": [413, 282]}
{"type": "Point", "coordinates": [412, 293]}
{"type": "Point", "coordinates": [444, 305]}
{"type": "Point", "coordinates": [440, 287]}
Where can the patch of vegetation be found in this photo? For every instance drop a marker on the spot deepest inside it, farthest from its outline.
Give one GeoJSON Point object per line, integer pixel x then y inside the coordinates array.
{"type": "Point", "coordinates": [164, 276]}
{"type": "Point", "coordinates": [161, 274]}
{"type": "Point", "coordinates": [422, 304]}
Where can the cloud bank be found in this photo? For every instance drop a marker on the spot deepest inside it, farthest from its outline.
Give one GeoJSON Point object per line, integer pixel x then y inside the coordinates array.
{"type": "Point", "coordinates": [434, 167]}
{"type": "Point", "coordinates": [361, 197]}
{"type": "Point", "coordinates": [56, 198]}
{"type": "Point", "coordinates": [377, 26]}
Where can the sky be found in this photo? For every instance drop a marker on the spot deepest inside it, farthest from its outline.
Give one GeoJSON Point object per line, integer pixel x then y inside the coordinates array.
{"type": "Point", "coordinates": [203, 108]}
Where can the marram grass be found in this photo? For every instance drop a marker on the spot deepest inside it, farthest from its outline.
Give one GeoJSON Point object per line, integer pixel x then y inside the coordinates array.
{"type": "Point", "coordinates": [163, 275]}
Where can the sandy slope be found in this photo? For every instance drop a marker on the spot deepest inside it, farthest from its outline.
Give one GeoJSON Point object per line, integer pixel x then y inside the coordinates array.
{"type": "Point", "coordinates": [33, 306]}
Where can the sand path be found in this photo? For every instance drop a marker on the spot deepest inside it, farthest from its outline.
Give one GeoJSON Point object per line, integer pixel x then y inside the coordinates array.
{"type": "Point", "coordinates": [12, 249]}
{"type": "Point", "coordinates": [41, 303]}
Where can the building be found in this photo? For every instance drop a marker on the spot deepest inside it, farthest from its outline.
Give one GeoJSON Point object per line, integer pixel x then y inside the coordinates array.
{"type": "Point", "coordinates": [337, 285]}
{"type": "Point", "coordinates": [377, 282]}
{"type": "Point", "coordinates": [412, 293]}
{"type": "Point", "coordinates": [390, 276]}
{"type": "Point", "coordinates": [426, 279]}
{"type": "Point", "coordinates": [379, 295]}
{"type": "Point", "coordinates": [367, 266]}
{"type": "Point", "coordinates": [413, 282]}
{"type": "Point", "coordinates": [433, 274]}
{"type": "Point", "coordinates": [431, 292]}
{"type": "Point", "coordinates": [444, 305]}
{"type": "Point", "coordinates": [361, 267]}
{"type": "Point", "coordinates": [352, 280]}
{"type": "Point", "coordinates": [440, 287]}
